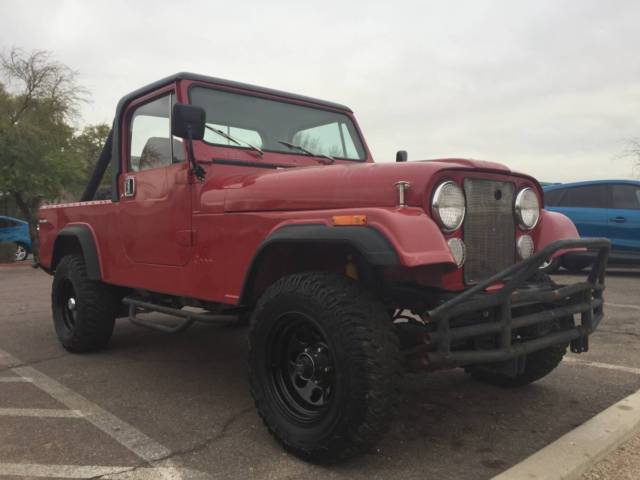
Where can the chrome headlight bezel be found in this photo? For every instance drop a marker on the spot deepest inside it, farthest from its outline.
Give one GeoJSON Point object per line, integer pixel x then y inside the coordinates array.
{"type": "Point", "coordinates": [437, 204]}
{"type": "Point", "coordinates": [519, 208]}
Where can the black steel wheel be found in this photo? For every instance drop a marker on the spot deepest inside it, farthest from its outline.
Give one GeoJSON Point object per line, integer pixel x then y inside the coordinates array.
{"type": "Point", "coordinates": [21, 252]}
{"type": "Point", "coordinates": [324, 365]}
{"type": "Point", "coordinates": [84, 311]}
{"type": "Point", "coordinates": [68, 304]}
{"type": "Point", "coordinates": [302, 368]}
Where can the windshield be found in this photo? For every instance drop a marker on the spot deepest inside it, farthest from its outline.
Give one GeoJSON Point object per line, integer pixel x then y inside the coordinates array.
{"type": "Point", "coordinates": [267, 123]}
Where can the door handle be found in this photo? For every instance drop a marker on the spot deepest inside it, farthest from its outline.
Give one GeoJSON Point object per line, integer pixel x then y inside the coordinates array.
{"type": "Point", "coordinates": [618, 219]}
{"type": "Point", "coordinates": [129, 186]}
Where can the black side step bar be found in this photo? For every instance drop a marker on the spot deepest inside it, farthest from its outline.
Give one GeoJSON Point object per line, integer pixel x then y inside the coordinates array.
{"type": "Point", "coordinates": [189, 317]}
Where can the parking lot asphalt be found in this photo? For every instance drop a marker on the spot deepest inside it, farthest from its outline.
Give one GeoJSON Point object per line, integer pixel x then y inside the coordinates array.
{"type": "Point", "coordinates": [160, 406]}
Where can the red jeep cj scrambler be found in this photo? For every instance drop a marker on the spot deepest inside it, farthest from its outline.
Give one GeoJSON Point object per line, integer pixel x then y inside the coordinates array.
{"type": "Point", "coordinates": [231, 202]}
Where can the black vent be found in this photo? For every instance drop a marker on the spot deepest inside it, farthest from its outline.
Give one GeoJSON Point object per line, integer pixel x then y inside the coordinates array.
{"type": "Point", "coordinates": [489, 228]}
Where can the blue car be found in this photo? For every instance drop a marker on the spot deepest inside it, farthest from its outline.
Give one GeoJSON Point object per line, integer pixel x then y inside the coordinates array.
{"type": "Point", "coordinates": [602, 208]}
{"type": "Point", "coordinates": [16, 231]}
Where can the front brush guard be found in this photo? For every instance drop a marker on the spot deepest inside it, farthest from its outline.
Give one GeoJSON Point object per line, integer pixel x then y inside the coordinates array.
{"type": "Point", "coordinates": [584, 298]}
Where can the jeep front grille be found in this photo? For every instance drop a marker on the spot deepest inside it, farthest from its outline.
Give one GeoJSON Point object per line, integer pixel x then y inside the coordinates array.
{"type": "Point", "coordinates": [489, 228]}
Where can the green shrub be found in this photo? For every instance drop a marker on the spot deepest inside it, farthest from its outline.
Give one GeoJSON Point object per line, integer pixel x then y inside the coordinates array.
{"type": "Point", "coordinates": [7, 252]}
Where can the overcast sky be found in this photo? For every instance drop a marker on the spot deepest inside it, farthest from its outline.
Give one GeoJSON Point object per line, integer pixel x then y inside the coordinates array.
{"type": "Point", "coordinates": [551, 88]}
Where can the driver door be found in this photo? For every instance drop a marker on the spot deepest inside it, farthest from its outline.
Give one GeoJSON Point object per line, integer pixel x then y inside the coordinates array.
{"type": "Point", "coordinates": [155, 216]}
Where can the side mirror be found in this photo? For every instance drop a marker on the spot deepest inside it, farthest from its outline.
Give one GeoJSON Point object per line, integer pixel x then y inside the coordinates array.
{"type": "Point", "coordinates": [188, 121]}
{"type": "Point", "coordinates": [401, 156]}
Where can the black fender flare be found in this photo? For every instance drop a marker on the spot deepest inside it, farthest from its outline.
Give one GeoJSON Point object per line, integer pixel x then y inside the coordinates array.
{"type": "Point", "coordinates": [374, 247]}
{"type": "Point", "coordinates": [84, 237]}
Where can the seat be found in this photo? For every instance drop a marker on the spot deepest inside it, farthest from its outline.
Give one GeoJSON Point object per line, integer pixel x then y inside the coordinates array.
{"type": "Point", "coordinates": [157, 153]}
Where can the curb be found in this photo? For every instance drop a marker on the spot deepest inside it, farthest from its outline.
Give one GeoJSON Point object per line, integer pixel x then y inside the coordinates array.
{"type": "Point", "coordinates": [574, 453]}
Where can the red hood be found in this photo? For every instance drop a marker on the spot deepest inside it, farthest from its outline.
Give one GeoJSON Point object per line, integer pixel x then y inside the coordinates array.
{"type": "Point", "coordinates": [341, 185]}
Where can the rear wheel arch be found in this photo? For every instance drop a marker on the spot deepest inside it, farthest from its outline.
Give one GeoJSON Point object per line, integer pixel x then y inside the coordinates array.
{"type": "Point", "coordinates": [78, 239]}
{"type": "Point", "coordinates": [299, 248]}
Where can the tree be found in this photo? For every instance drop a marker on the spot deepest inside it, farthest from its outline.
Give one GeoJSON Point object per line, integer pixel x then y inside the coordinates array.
{"type": "Point", "coordinates": [39, 100]}
{"type": "Point", "coordinates": [634, 152]}
{"type": "Point", "coordinates": [87, 146]}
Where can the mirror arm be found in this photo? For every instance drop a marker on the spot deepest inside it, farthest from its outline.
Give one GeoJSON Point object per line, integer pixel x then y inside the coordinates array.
{"type": "Point", "coordinates": [196, 169]}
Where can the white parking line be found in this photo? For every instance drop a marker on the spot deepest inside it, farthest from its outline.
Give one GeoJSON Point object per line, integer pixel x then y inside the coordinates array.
{"type": "Point", "coordinates": [622, 305]}
{"type": "Point", "coordinates": [14, 379]}
{"type": "Point", "coordinates": [40, 412]}
{"type": "Point", "coordinates": [34, 470]}
{"type": "Point", "coordinates": [123, 433]}
{"type": "Point", "coordinates": [59, 471]}
{"type": "Point", "coordinates": [606, 366]}
{"type": "Point", "coordinates": [147, 449]}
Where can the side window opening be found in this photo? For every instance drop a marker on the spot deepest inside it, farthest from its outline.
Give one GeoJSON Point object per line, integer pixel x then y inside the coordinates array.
{"type": "Point", "coordinates": [625, 197]}
{"type": "Point", "coordinates": [152, 145]}
{"type": "Point", "coordinates": [552, 198]}
{"type": "Point", "coordinates": [591, 196]}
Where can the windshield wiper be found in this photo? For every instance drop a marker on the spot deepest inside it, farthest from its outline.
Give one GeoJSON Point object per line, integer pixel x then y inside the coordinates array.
{"type": "Point", "coordinates": [235, 140]}
{"type": "Point", "coordinates": [293, 146]}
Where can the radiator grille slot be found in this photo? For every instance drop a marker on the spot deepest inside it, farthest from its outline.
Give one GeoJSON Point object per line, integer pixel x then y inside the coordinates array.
{"type": "Point", "coordinates": [489, 228]}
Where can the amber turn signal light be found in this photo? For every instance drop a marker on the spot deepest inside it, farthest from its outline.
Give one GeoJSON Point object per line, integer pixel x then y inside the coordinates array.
{"type": "Point", "coordinates": [342, 220]}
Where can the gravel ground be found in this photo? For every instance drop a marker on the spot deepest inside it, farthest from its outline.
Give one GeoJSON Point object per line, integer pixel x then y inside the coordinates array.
{"type": "Point", "coordinates": [622, 464]}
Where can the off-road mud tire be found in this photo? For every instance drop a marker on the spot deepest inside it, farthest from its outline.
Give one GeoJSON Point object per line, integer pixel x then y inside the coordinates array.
{"type": "Point", "coordinates": [96, 307]}
{"type": "Point", "coordinates": [538, 365]}
{"type": "Point", "coordinates": [365, 352]}
{"type": "Point", "coordinates": [575, 265]}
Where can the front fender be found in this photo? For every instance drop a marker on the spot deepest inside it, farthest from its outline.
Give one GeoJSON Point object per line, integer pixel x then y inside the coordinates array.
{"type": "Point", "coordinates": [554, 226]}
{"type": "Point", "coordinates": [391, 237]}
{"type": "Point", "coordinates": [413, 234]}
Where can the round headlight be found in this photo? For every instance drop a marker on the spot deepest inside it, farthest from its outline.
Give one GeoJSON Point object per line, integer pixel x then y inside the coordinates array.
{"type": "Point", "coordinates": [525, 246]}
{"type": "Point", "coordinates": [527, 208]}
{"type": "Point", "coordinates": [449, 206]}
{"type": "Point", "coordinates": [458, 250]}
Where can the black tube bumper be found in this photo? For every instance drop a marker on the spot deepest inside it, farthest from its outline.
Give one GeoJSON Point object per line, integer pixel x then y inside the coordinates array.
{"type": "Point", "coordinates": [559, 302]}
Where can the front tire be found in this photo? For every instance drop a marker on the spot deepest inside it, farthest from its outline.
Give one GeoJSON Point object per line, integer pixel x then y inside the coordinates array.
{"type": "Point", "coordinates": [575, 264]}
{"type": "Point", "coordinates": [324, 365]}
{"type": "Point", "coordinates": [84, 311]}
{"type": "Point", "coordinates": [538, 365]}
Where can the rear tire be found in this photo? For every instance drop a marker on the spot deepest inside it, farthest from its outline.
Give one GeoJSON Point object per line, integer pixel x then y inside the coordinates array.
{"type": "Point", "coordinates": [84, 311]}
{"type": "Point", "coordinates": [324, 365]}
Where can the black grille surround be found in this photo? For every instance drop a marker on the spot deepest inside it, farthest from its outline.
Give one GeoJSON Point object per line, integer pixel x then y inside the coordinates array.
{"type": "Point", "coordinates": [489, 228]}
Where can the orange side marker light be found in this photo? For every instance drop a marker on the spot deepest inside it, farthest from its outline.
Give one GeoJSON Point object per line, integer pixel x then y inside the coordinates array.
{"type": "Point", "coordinates": [343, 220]}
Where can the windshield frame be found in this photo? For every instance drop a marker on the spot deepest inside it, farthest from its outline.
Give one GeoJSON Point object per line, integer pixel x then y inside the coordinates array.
{"type": "Point", "coordinates": [292, 101]}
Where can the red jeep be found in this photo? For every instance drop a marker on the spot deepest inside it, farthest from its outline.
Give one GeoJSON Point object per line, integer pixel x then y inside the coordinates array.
{"type": "Point", "coordinates": [231, 202]}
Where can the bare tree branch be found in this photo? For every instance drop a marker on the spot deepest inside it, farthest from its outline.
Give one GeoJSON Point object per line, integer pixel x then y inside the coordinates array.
{"type": "Point", "coordinates": [35, 76]}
